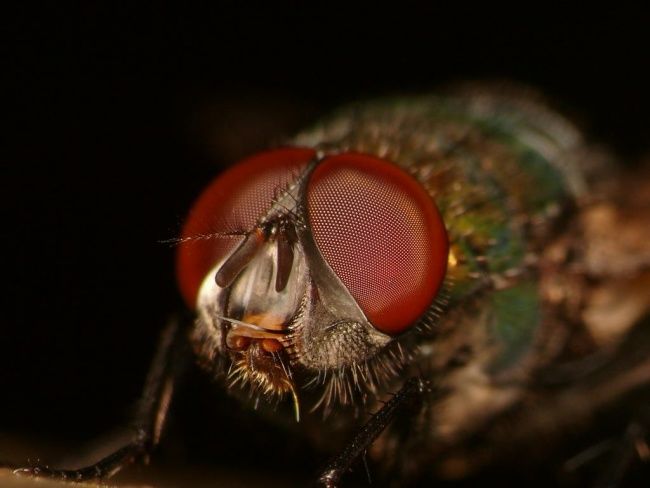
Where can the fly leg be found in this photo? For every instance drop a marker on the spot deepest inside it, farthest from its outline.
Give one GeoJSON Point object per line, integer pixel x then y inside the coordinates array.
{"type": "Point", "coordinates": [411, 392]}
{"type": "Point", "coordinates": [633, 446]}
{"type": "Point", "coordinates": [149, 420]}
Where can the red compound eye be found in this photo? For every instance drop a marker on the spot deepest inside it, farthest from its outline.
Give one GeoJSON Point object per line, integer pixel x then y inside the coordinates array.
{"type": "Point", "coordinates": [232, 203]}
{"type": "Point", "coordinates": [381, 233]}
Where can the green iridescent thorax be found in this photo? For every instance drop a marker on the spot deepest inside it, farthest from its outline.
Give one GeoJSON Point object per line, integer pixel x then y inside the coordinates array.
{"type": "Point", "coordinates": [500, 170]}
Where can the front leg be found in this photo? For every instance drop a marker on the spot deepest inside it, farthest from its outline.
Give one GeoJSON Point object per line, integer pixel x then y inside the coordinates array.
{"type": "Point", "coordinates": [412, 391]}
{"type": "Point", "coordinates": [148, 424]}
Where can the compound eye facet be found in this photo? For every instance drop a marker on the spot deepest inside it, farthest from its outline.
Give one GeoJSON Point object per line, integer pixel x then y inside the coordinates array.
{"type": "Point", "coordinates": [381, 233]}
{"type": "Point", "coordinates": [230, 207]}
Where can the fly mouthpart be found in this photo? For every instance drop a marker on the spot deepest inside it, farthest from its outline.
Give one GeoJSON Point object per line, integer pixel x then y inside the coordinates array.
{"type": "Point", "coordinates": [242, 334]}
{"type": "Point", "coordinates": [259, 354]}
{"type": "Point", "coordinates": [254, 330]}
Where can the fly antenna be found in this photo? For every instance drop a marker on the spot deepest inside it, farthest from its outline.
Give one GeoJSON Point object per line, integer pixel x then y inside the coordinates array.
{"type": "Point", "coordinates": [174, 241]}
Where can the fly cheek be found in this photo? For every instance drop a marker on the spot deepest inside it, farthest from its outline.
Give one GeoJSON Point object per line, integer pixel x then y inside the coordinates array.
{"type": "Point", "coordinates": [382, 235]}
{"type": "Point", "coordinates": [228, 209]}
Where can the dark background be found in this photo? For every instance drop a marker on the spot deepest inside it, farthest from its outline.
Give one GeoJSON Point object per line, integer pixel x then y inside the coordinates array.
{"type": "Point", "coordinates": [118, 115]}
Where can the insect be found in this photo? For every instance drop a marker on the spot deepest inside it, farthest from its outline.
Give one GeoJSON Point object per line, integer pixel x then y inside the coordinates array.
{"type": "Point", "coordinates": [464, 265]}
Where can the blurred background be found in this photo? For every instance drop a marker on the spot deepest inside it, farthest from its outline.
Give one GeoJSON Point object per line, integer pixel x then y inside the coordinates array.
{"type": "Point", "coordinates": [119, 113]}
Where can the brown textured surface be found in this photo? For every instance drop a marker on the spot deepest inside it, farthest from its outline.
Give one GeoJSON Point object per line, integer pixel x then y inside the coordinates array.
{"type": "Point", "coordinates": [156, 477]}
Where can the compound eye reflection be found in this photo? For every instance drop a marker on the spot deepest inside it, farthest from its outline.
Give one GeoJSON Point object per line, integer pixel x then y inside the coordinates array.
{"type": "Point", "coordinates": [381, 233]}
{"type": "Point", "coordinates": [229, 208]}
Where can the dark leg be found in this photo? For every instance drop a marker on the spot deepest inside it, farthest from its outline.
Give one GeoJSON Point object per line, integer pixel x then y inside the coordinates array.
{"type": "Point", "coordinates": [149, 422]}
{"type": "Point", "coordinates": [410, 392]}
{"type": "Point", "coordinates": [626, 452]}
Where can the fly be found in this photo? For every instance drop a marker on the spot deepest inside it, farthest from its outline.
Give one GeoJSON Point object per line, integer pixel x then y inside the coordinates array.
{"type": "Point", "coordinates": [446, 261]}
